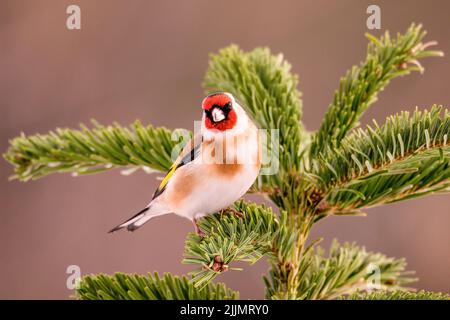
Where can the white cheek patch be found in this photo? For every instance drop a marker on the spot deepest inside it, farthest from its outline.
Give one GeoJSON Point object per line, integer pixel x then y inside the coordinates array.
{"type": "Point", "coordinates": [217, 115]}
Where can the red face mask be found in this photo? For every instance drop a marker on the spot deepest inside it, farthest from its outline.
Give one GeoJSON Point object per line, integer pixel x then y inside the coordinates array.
{"type": "Point", "coordinates": [219, 112]}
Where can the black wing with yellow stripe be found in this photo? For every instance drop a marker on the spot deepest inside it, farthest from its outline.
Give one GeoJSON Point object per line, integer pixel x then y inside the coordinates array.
{"type": "Point", "coordinates": [189, 156]}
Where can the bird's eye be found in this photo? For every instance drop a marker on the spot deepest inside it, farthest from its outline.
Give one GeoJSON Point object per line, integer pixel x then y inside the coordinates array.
{"type": "Point", "coordinates": [227, 106]}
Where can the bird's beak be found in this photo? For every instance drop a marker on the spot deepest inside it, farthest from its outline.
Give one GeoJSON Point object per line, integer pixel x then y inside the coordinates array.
{"type": "Point", "coordinates": [217, 115]}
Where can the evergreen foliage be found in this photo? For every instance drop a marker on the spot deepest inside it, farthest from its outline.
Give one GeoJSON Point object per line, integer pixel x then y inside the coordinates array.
{"type": "Point", "coordinates": [152, 287]}
{"type": "Point", "coordinates": [397, 295]}
{"type": "Point", "coordinates": [338, 170]}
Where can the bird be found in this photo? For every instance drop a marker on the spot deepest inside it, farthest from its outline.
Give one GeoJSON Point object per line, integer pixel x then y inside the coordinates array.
{"type": "Point", "coordinates": [214, 169]}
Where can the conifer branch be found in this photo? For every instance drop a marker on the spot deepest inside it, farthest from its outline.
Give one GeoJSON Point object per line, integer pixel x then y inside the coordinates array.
{"type": "Point", "coordinates": [93, 150]}
{"type": "Point", "coordinates": [347, 268]}
{"type": "Point", "coordinates": [407, 157]}
{"type": "Point", "coordinates": [229, 238]}
{"type": "Point", "coordinates": [152, 287]}
{"type": "Point", "coordinates": [386, 59]}
{"type": "Point", "coordinates": [396, 295]}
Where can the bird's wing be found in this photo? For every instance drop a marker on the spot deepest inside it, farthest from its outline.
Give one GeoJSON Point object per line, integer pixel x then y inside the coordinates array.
{"type": "Point", "coordinates": [190, 152]}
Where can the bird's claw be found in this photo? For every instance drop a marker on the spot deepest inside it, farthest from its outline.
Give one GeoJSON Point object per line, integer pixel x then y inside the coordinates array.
{"type": "Point", "coordinates": [233, 211]}
{"type": "Point", "coordinates": [198, 231]}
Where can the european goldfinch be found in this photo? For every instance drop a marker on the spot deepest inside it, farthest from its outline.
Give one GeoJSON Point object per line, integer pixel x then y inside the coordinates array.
{"type": "Point", "coordinates": [214, 169]}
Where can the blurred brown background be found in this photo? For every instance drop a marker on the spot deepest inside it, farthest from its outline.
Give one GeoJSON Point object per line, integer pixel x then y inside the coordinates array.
{"type": "Point", "coordinates": [145, 60]}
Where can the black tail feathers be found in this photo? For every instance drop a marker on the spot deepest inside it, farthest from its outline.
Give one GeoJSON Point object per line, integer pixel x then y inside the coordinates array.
{"type": "Point", "coordinates": [129, 224]}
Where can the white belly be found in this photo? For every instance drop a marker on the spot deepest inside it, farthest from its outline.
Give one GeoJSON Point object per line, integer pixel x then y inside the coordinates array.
{"type": "Point", "coordinates": [215, 194]}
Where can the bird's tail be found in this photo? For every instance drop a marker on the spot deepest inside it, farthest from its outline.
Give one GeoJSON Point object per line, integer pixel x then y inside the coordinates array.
{"type": "Point", "coordinates": [140, 218]}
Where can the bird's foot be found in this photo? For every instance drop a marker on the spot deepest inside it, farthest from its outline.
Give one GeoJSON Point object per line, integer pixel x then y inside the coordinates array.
{"type": "Point", "coordinates": [232, 211]}
{"type": "Point", "coordinates": [198, 231]}
{"type": "Point", "coordinates": [201, 234]}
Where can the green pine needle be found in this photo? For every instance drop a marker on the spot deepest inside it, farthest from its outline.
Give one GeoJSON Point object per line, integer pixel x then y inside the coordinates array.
{"type": "Point", "coordinates": [88, 151]}
{"type": "Point", "coordinates": [230, 238]}
{"type": "Point", "coordinates": [345, 269]}
{"type": "Point", "coordinates": [409, 156]}
{"type": "Point", "coordinates": [386, 59]}
{"type": "Point", "coordinates": [397, 295]}
{"type": "Point", "coordinates": [135, 287]}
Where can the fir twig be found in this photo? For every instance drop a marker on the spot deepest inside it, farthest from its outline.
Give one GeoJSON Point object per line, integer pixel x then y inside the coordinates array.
{"type": "Point", "coordinates": [229, 238]}
{"type": "Point", "coordinates": [386, 59]}
{"type": "Point", "coordinates": [407, 157]}
{"type": "Point", "coordinates": [89, 151]}
{"type": "Point", "coordinates": [347, 268]}
{"type": "Point", "coordinates": [135, 287]}
{"type": "Point", "coordinates": [396, 295]}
